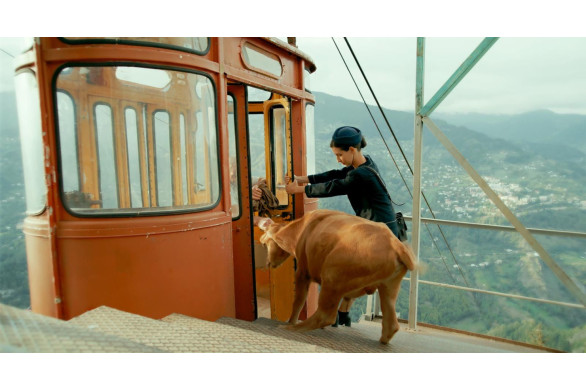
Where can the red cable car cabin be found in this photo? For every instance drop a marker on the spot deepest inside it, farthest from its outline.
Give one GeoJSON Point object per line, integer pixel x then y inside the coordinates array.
{"type": "Point", "coordinates": [139, 155]}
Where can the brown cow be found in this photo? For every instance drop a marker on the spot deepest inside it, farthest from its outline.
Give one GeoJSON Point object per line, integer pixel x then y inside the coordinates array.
{"type": "Point", "coordinates": [348, 256]}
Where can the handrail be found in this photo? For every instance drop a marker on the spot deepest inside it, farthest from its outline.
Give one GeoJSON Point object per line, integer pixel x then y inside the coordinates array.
{"type": "Point", "coordinates": [576, 305]}
{"type": "Point", "coordinates": [563, 233]}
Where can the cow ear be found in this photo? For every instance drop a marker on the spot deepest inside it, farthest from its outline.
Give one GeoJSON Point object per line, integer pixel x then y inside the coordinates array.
{"type": "Point", "coordinates": [288, 235]}
{"type": "Point", "coordinates": [276, 255]}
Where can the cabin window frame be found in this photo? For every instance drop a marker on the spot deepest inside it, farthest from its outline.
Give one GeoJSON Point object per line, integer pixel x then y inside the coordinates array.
{"type": "Point", "coordinates": [148, 210]}
{"type": "Point", "coordinates": [274, 138]}
{"type": "Point", "coordinates": [130, 42]}
{"type": "Point", "coordinates": [98, 144]}
{"type": "Point", "coordinates": [233, 136]}
{"type": "Point", "coordinates": [307, 79]}
{"type": "Point", "coordinates": [248, 61]}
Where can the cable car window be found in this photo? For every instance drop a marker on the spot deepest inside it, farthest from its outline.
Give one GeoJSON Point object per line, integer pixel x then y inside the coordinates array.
{"type": "Point", "coordinates": [68, 144]}
{"type": "Point", "coordinates": [310, 137]}
{"type": "Point", "coordinates": [257, 95]}
{"type": "Point", "coordinates": [197, 45]}
{"type": "Point", "coordinates": [148, 146]}
{"type": "Point", "coordinates": [279, 124]}
{"type": "Point", "coordinates": [29, 123]}
{"type": "Point", "coordinates": [162, 131]}
{"type": "Point", "coordinates": [132, 143]}
{"type": "Point", "coordinates": [261, 61]}
{"type": "Point", "coordinates": [145, 173]}
{"type": "Point", "coordinates": [307, 80]}
{"type": "Point", "coordinates": [106, 156]}
{"type": "Point", "coordinates": [256, 129]}
{"type": "Point", "coordinates": [183, 141]}
{"type": "Point", "coordinates": [143, 77]}
{"type": "Point", "coordinates": [233, 159]}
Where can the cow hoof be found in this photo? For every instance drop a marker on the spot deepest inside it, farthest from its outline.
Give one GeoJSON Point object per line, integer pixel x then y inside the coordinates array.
{"type": "Point", "coordinates": [384, 340]}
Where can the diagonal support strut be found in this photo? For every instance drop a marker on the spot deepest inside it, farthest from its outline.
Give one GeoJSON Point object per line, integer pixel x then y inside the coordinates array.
{"type": "Point", "coordinates": [576, 290]}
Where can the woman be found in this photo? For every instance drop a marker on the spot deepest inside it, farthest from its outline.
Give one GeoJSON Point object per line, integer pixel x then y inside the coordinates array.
{"type": "Point", "coordinates": [359, 180]}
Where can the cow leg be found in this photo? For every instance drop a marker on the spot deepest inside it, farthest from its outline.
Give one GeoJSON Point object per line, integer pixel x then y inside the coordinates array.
{"type": "Point", "coordinates": [346, 303]}
{"type": "Point", "coordinates": [325, 315]}
{"type": "Point", "coordinates": [302, 282]}
{"type": "Point", "coordinates": [388, 293]}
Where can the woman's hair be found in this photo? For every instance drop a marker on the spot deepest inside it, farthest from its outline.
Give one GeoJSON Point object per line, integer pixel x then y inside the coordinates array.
{"type": "Point", "coordinates": [345, 148]}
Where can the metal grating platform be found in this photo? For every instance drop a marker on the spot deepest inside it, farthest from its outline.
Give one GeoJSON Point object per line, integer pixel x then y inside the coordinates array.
{"type": "Point", "coordinates": [363, 337]}
{"type": "Point", "coordinates": [108, 330]}
{"type": "Point", "coordinates": [24, 331]}
{"type": "Point", "coordinates": [200, 336]}
{"type": "Point", "coordinates": [215, 330]}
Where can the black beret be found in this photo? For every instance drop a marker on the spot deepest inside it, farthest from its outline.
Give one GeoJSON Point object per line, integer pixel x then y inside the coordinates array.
{"type": "Point", "coordinates": [347, 135]}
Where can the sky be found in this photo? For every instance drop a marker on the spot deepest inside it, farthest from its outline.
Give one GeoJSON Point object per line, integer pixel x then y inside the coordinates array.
{"type": "Point", "coordinates": [540, 63]}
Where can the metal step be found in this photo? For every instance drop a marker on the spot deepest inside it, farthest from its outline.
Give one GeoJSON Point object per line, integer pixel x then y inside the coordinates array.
{"type": "Point", "coordinates": [266, 343]}
{"type": "Point", "coordinates": [25, 331]}
{"type": "Point", "coordinates": [198, 336]}
{"type": "Point", "coordinates": [352, 339]}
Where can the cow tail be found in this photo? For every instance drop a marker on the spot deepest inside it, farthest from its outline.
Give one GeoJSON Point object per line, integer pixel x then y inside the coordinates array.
{"type": "Point", "coordinates": [407, 257]}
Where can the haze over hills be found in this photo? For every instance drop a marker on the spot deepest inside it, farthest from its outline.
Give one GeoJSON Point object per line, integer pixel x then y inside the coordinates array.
{"type": "Point", "coordinates": [542, 182]}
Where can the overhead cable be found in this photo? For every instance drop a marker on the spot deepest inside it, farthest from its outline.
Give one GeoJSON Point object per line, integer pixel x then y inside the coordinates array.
{"type": "Point", "coordinates": [402, 152]}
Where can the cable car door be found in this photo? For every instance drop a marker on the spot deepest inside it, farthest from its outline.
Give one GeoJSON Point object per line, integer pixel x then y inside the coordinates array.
{"type": "Point", "coordinates": [277, 125]}
{"type": "Point", "coordinates": [244, 288]}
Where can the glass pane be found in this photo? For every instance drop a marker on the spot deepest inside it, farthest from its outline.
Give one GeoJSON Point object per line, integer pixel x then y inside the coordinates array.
{"type": "Point", "coordinates": [310, 137]}
{"type": "Point", "coordinates": [163, 171]}
{"type": "Point", "coordinates": [168, 128]}
{"type": "Point", "coordinates": [255, 57]}
{"type": "Point", "coordinates": [183, 142]}
{"type": "Point", "coordinates": [106, 156]}
{"type": "Point", "coordinates": [200, 155]}
{"type": "Point", "coordinates": [257, 95]}
{"type": "Point", "coordinates": [143, 76]}
{"type": "Point", "coordinates": [145, 172]}
{"type": "Point", "coordinates": [29, 123]}
{"type": "Point", "coordinates": [256, 129]}
{"type": "Point", "coordinates": [68, 144]}
{"type": "Point", "coordinates": [234, 177]}
{"type": "Point", "coordinates": [212, 162]}
{"type": "Point", "coordinates": [307, 80]}
{"type": "Point", "coordinates": [280, 145]}
{"type": "Point", "coordinates": [132, 143]}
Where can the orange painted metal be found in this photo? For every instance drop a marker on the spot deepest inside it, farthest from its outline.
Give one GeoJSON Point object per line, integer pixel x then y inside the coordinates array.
{"type": "Point", "coordinates": [244, 288]}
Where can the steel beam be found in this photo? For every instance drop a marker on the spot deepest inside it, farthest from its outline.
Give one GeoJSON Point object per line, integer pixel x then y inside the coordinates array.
{"type": "Point", "coordinates": [458, 75]}
{"type": "Point", "coordinates": [576, 290]}
{"type": "Point", "coordinates": [417, 157]}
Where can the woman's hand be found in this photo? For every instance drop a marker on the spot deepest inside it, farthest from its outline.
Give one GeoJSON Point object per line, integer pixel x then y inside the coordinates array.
{"type": "Point", "coordinates": [292, 187]}
{"type": "Point", "coordinates": [299, 179]}
{"type": "Point", "coordinates": [256, 192]}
